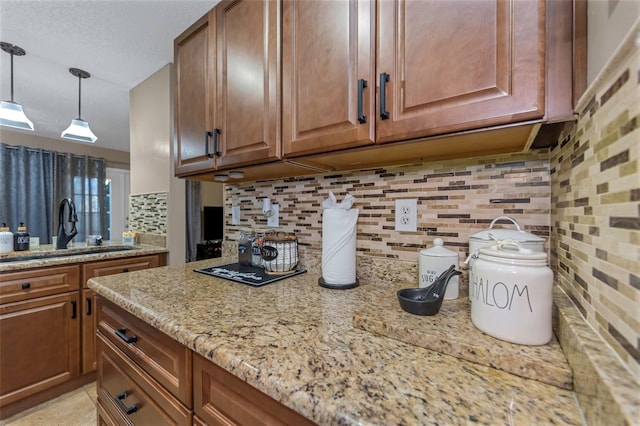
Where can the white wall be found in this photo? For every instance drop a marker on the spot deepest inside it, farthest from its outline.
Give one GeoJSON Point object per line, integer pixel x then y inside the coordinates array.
{"type": "Point", "coordinates": [212, 194]}
{"type": "Point", "coordinates": [151, 127]}
{"type": "Point", "coordinates": [607, 23]}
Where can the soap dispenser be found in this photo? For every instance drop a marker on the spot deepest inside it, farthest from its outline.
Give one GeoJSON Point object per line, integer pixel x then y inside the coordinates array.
{"type": "Point", "coordinates": [433, 262]}
{"type": "Point", "coordinates": [6, 239]}
{"type": "Point", "coordinates": [21, 238]}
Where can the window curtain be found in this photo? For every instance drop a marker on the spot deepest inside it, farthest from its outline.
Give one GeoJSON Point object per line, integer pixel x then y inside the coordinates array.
{"type": "Point", "coordinates": [34, 181]}
{"type": "Point", "coordinates": [193, 209]}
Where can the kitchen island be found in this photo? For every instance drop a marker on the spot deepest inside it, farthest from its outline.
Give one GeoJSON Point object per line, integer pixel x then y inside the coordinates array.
{"type": "Point", "coordinates": [295, 341]}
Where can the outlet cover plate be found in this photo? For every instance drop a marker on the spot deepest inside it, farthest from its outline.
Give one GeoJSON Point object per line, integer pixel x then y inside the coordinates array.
{"type": "Point", "coordinates": [407, 215]}
{"type": "Point", "coordinates": [273, 221]}
{"type": "Point", "coordinates": [235, 215]}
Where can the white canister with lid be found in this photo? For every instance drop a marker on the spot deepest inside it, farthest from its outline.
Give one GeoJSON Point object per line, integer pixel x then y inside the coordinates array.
{"type": "Point", "coordinates": [6, 239]}
{"type": "Point", "coordinates": [512, 294]}
{"type": "Point", "coordinates": [433, 262]}
{"type": "Point", "coordinates": [488, 236]}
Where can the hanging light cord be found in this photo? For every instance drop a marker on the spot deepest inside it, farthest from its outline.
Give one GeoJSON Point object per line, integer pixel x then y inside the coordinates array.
{"type": "Point", "coordinates": [79, 97]}
{"type": "Point", "coordinates": [11, 53]}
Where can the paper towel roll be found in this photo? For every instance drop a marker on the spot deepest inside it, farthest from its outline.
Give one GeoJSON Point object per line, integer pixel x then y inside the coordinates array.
{"type": "Point", "coordinates": [339, 245]}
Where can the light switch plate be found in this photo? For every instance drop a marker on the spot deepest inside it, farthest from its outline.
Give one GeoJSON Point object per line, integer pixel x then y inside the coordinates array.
{"type": "Point", "coordinates": [235, 215]}
{"type": "Point", "coordinates": [407, 215]}
{"type": "Point", "coordinates": [273, 221]}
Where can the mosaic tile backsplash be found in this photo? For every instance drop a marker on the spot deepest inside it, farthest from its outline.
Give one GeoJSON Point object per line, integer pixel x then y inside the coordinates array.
{"type": "Point", "coordinates": [596, 211]}
{"type": "Point", "coordinates": [456, 198]}
{"type": "Point", "coordinates": [148, 213]}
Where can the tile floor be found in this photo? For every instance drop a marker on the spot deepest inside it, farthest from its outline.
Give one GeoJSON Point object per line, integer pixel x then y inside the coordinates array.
{"type": "Point", "coordinates": [75, 408]}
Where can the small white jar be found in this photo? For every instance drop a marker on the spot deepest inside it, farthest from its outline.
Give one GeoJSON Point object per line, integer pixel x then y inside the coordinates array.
{"type": "Point", "coordinates": [512, 295]}
{"type": "Point", "coordinates": [6, 239]}
{"type": "Point", "coordinates": [433, 262]}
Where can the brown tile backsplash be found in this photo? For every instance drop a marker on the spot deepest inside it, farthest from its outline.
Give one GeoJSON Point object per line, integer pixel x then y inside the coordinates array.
{"type": "Point", "coordinates": [455, 199]}
{"type": "Point", "coordinates": [600, 187]}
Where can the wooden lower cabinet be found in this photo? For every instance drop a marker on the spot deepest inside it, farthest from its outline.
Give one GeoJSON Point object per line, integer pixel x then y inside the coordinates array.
{"type": "Point", "coordinates": [88, 302]}
{"type": "Point", "coordinates": [88, 332]}
{"type": "Point", "coordinates": [220, 398]}
{"type": "Point", "coordinates": [127, 392]}
{"type": "Point", "coordinates": [40, 345]}
{"type": "Point", "coordinates": [146, 378]}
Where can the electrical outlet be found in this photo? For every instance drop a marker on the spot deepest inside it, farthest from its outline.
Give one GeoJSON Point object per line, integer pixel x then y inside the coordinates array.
{"type": "Point", "coordinates": [273, 221]}
{"type": "Point", "coordinates": [235, 215]}
{"type": "Point", "coordinates": [407, 215]}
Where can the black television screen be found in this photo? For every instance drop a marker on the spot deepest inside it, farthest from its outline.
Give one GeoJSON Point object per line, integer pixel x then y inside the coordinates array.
{"type": "Point", "coordinates": [213, 223]}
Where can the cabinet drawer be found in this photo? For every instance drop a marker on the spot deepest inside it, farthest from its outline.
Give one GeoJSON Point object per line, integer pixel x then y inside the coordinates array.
{"type": "Point", "coordinates": [166, 360]}
{"type": "Point", "coordinates": [23, 285]}
{"type": "Point", "coordinates": [118, 266]}
{"type": "Point", "coordinates": [220, 398]}
{"type": "Point", "coordinates": [128, 393]}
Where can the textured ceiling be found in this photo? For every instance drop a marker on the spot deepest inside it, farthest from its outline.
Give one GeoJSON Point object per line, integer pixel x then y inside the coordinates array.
{"type": "Point", "coordinates": [120, 43]}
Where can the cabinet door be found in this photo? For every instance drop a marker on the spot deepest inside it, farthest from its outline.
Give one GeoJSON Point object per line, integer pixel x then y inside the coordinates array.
{"type": "Point", "coordinates": [327, 55]}
{"type": "Point", "coordinates": [40, 345]}
{"type": "Point", "coordinates": [248, 83]}
{"type": "Point", "coordinates": [194, 59]}
{"type": "Point", "coordinates": [89, 327]}
{"type": "Point", "coordinates": [458, 65]}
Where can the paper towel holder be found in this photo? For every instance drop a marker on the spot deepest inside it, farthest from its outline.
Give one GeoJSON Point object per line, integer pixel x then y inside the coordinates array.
{"type": "Point", "coordinates": [325, 284]}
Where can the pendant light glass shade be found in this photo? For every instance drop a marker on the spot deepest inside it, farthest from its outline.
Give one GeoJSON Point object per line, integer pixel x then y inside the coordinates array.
{"type": "Point", "coordinates": [79, 129]}
{"type": "Point", "coordinates": [11, 113]}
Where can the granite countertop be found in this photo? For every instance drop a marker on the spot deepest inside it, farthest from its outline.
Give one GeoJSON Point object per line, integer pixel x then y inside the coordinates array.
{"type": "Point", "coordinates": [47, 255]}
{"type": "Point", "coordinates": [296, 342]}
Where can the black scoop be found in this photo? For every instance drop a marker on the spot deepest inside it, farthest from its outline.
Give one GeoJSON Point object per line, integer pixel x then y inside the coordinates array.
{"type": "Point", "coordinates": [427, 301]}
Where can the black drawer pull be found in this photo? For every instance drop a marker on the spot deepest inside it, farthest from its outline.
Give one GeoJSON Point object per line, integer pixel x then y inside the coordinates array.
{"type": "Point", "coordinates": [74, 309]}
{"type": "Point", "coordinates": [88, 306]}
{"type": "Point", "coordinates": [125, 270]}
{"type": "Point", "coordinates": [361, 85]}
{"type": "Point", "coordinates": [384, 114]}
{"type": "Point", "coordinates": [121, 334]}
{"type": "Point", "coordinates": [26, 286]}
{"type": "Point", "coordinates": [127, 410]}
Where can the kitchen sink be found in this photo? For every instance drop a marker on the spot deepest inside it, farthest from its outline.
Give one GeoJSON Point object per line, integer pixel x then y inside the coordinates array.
{"type": "Point", "coordinates": [63, 253]}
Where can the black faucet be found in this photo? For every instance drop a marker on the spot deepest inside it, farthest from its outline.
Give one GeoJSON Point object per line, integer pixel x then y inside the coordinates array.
{"type": "Point", "coordinates": [63, 237]}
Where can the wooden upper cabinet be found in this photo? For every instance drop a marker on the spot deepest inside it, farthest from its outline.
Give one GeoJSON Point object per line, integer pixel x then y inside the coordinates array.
{"type": "Point", "coordinates": [248, 82]}
{"type": "Point", "coordinates": [458, 65]}
{"type": "Point", "coordinates": [328, 56]}
{"type": "Point", "coordinates": [194, 58]}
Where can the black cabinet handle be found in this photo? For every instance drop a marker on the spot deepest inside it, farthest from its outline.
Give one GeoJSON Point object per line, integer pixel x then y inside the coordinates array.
{"type": "Point", "coordinates": [216, 152]}
{"type": "Point", "coordinates": [384, 114]}
{"type": "Point", "coordinates": [26, 286]}
{"type": "Point", "coordinates": [125, 270]}
{"type": "Point", "coordinates": [88, 306]}
{"type": "Point", "coordinates": [74, 309]}
{"type": "Point", "coordinates": [127, 410]}
{"type": "Point", "coordinates": [128, 340]}
{"type": "Point", "coordinates": [207, 135]}
{"type": "Point", "coordinates": [361, 85]}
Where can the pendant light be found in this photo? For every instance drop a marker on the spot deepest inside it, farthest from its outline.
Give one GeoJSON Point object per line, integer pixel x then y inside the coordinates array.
{"type": "Point", "coordinates": [11, 113]}
{"type": "Point", "coordinates": [79, 129]}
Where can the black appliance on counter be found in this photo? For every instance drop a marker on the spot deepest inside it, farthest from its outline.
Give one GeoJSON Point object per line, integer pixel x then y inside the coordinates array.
{"type": "Point", "coordinates": [209, 250]}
